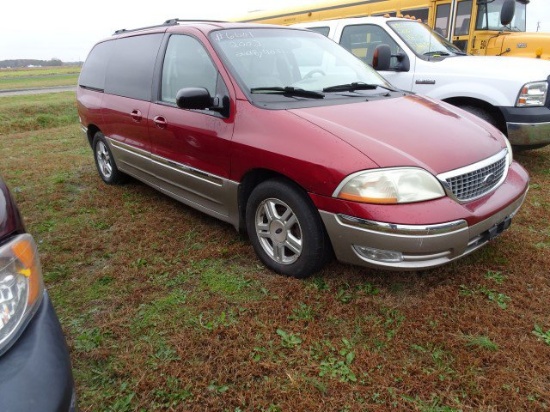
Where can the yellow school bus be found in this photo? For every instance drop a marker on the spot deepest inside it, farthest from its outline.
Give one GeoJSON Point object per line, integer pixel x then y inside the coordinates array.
{"type": "Point", "coordinates": [479, 27]}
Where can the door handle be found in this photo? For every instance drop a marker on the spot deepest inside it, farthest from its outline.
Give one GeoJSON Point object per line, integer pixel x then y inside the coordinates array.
{"type": "Point", "coordinates": [160, 122]}
{"type": "Point", "coordinates": [136, 115]}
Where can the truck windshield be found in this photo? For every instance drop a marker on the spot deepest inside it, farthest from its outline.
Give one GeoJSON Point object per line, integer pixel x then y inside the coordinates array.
{"type": "Point", "coordinates": [422, 40]}
{"type": "Point", "coordinates": [488, 17]}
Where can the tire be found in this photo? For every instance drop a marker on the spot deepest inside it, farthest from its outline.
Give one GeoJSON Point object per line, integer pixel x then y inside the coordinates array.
{"type": "Point", "coordinates": [105, 162]}
{"type": "Point", "coordinates": [485, 115]}
{"type": "Point", "coordinates": [285, 229]}
{"type": "Point", "coordinates": [481, 113]}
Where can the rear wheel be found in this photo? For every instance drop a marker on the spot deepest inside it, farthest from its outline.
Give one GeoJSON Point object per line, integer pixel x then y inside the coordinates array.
{"type": "Point", "coordinates": [105, 161]}
{"type": "Point", "coordinates": [286, 230]}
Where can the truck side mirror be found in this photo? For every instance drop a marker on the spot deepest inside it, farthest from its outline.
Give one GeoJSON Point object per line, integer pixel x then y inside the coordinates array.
{"type": "Point", "coordinates": [507, 12]}
{"type": "Point", "coordinates": [382, 57]}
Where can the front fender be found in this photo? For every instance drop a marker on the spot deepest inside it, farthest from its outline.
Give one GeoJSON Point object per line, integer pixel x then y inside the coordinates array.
{"type": "Point", "coordinates": [443, 90]}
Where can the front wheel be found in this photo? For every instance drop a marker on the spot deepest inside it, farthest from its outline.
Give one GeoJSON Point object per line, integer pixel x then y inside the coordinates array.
{"type": "Point", "coordinates": [481, 113]}
{"type": "Point", "coordinates": [286, 230]}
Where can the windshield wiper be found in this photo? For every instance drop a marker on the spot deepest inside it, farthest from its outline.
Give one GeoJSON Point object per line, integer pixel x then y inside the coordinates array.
{"type": "Point", "coordinates": [437, 53]}
{"type": "Point", "coordinates": [351, 87]}
{"type": "Point", "coordinates": [288, 91]}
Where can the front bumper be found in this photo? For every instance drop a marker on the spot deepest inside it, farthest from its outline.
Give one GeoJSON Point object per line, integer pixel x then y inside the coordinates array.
{"type": "Point", "coordinates": [419, 247]}
{"type": "Point", "coordinates": [527, 126]}
{"type": "Point", "coordinates": [35, 373]}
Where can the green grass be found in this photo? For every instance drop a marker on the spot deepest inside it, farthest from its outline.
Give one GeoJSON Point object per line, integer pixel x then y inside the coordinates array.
{"type": "Point", "coordinates": [165, 308]}
{"type": "Point", "coordinates": [38, 77]}
{"type": "Point", "coordinates": [42, 111]}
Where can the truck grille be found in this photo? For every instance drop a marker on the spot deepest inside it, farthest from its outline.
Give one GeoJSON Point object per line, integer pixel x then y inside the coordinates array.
{"type": "Point", "coordinates": [472, 182]}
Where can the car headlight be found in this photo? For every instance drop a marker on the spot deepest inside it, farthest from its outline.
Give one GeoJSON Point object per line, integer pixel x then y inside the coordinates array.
{"type": "Point", "coordinates": [532, 94]}
{"type": "Point", "coordinates": [390, 186]}
{"type": "Point", "coordinates": [21, 287]}
{"type": "Point", "coordinates": [510, 155]}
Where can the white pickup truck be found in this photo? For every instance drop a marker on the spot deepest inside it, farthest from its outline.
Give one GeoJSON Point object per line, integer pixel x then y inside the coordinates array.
{"type": "Point", "coordinates": [510, 93]}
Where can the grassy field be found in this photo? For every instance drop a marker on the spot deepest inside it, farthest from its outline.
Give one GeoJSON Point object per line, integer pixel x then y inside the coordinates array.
{"type": "Point", "coordinates": [38, 77]}
{"type": "Point", "coordinates": [165, 308]}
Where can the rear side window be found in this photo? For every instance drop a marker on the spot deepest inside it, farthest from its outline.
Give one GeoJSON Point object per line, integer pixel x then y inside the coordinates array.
{"type": "Point", "coordinates": [130, 70]}
{"type": "Point", "coordinates": [93, 72]}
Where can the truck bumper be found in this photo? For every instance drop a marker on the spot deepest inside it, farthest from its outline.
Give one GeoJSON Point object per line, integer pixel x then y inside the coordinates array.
{"type": "Point", "coordinates": [527, 126]}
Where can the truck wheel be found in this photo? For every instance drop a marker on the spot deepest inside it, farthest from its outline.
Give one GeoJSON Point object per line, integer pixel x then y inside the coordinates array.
{"type": "Point", "coordinates": [485, 115]}
{"type": "Point", "coordinates": [286, 230]}
{"type": "Point", "coordinates": [481, 113]}
{"type": "Point", "coordinates": [105, 162]}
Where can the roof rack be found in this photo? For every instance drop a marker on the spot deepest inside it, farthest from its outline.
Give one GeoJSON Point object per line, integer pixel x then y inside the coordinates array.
{"type": "Point", "coordinates": [169, 22]}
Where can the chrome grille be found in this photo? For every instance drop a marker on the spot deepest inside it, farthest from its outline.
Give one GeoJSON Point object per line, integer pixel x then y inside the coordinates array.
{"type": "Point", "coordinates": [476, 180]}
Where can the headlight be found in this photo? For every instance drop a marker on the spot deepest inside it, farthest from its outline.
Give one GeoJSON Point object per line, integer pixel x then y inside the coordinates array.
{"type": "Point", "coordinates": [21, 287]}
{"type": "Point", "coordinates": [533, 94]}
{"type": "Point", "coordinates": [510, 155]}
{"type": "Point", "coordinates": [390, 186]}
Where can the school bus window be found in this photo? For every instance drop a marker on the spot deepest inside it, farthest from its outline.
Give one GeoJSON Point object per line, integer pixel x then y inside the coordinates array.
{"type": "Point", "coordinates": [419, 14]}
{"type": "Point", "coordinates": [442, 19]}
{"type": "Point", "coordinates": [488, 16]}
{"type": "Point", "coordinates": [388, 13]}
{"type": "Point", "coordinates": [462, 22]}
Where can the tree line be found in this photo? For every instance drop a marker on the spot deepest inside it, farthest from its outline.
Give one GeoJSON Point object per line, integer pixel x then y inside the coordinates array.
{"type": "Point", "coordinates": [14, 63]}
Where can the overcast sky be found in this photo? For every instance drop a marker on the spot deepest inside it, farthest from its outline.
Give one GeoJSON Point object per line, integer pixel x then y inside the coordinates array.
{"type": "Point", "coordinates": [67, 29]}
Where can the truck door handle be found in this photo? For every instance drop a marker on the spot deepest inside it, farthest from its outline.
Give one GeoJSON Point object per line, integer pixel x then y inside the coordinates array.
{"type": "Point", "coordinates": [160, 122]}
{"type": "Point", "coordinates": [136, 115]}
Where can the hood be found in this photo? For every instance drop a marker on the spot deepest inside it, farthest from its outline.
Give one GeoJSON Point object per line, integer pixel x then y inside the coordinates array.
{"type": "Point", "coordinates": [10, 220]}
{"type": "Point", "coordinates": [409, 131]}
{"type": "Point", "coordinates": [524, 44]}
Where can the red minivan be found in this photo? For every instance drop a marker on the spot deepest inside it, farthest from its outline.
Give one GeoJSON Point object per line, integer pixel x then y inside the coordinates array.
{"type": "Point", "coordinates": [287, 136]}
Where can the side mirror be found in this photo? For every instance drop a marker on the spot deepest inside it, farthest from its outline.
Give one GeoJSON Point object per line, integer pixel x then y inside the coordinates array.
{"type": "Point", "coordinates": [507, 12]}
{"type": "Point", "coordinates": [382, 59]}
{"type": "Point", "coordinates": [193, 98]}
{"type": "Point", "coordinates": [198, 98]}
{"type": "Point", "coordinates": [404, 62]}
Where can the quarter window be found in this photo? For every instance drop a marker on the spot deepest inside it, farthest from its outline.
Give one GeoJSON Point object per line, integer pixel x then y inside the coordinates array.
{"type": "Point", "coordinates": [93, 72]}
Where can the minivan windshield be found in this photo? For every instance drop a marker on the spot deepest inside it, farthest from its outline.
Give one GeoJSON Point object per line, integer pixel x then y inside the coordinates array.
{"type": "Point", "coordinates": [292, 62]}
{"type": "Point", "coordinates": [422, 40]}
